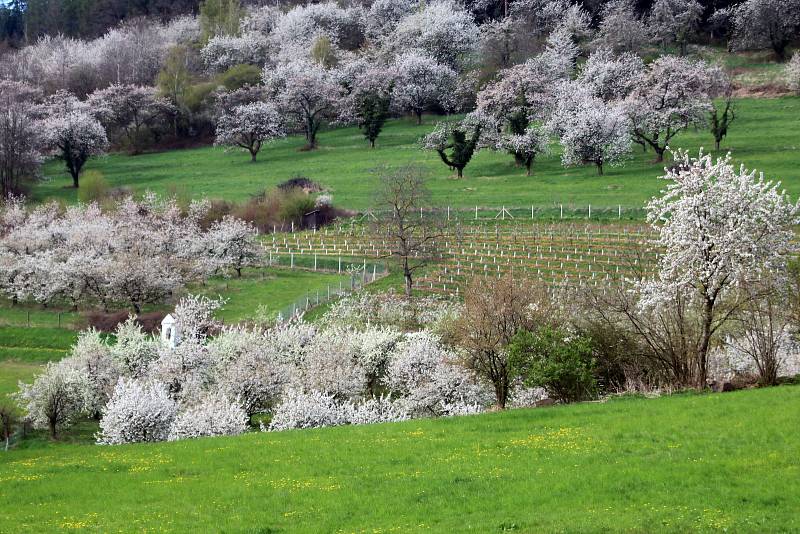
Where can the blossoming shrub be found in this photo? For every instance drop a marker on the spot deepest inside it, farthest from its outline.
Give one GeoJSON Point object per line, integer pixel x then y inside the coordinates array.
{"type": "Point", "coordinates": [137, 412]}
{"type": "Point", "coordinates": [213, 415]}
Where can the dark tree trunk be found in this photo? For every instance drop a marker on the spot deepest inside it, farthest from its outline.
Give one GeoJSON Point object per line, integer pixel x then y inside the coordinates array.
{"type": "Point", "coordinates": [409, 281]}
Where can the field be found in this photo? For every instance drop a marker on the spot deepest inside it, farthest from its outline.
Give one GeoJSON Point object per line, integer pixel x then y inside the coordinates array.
{"type": "Point", "coordinates": [765, 136]}
{"type": "Point", "coordinates": [724, 462]}
{"type": "Point", "coordinates": [267, 291]}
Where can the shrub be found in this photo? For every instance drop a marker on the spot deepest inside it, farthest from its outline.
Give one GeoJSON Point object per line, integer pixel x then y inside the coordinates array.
{"type": "Point", "coordinates": [294, 206]}
{"type": "Point", "coordinates": [555, 360]}
{"type": "Point", "coordinates": [137, 412]}
{"type": "Point", "coordinates": [793, 73]}
{"type": "Point", "coordinates": [213, 415]}
{"type": "Point", "coordinates": [94, 187]}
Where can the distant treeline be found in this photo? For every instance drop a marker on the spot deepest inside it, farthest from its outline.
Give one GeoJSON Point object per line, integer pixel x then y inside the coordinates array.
{"type": "Point", "coordinates": [22, 22]}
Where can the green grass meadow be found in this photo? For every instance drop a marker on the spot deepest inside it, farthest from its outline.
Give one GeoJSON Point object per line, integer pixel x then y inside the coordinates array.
{"type": "Point", "coordinates": [764, 136]}
{"type": "Point", "coordinates": [700, 463]}
{"type": "Point", "coordinates": [268, 290]}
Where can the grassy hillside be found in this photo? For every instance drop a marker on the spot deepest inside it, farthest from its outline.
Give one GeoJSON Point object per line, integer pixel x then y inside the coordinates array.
{"type": "Point", "coordinates": [765, 135]}
{"type": "Point", "coordinates": [685, 463]}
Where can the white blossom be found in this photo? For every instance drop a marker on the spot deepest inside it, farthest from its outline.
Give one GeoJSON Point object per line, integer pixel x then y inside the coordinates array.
{"type": "Point", "coordinates": [74, 137]}
{"type": "Point", "coordinates": [674, 21]}
{"type": "Point", "coordinates": [305, 92]}
{"type": "Point", "coordinates": [212, 415]}
{"type": "Point", "coordinates": [793, 73]}
{"type": "Point", "coordinates": [718, 226]}
{"type": "Point", "coordinates": [428, 378]}
{"type": "Point", "coordinates": [57, 396]}
{"type": "Point", "coordinates": [766, 24]}
{"type": "Point", "coordinates": [420, 83]}
{"type": "Point", "coordinates": [671, 96]}
{"type": "Point", "coordinates": [441, 29]}
{"type": "Point", "coordinates": [620, 30]}
{"type": "Point", "coordinates": [590, 130]}
{"type": "Point", "coordinates": [137, 412]}
{"type": "Point", "coordinates": [222, 52]}
{"type": "Point", "coordinates": [249, 126]}
{"type": "Point", "coordinates": [612, 77]}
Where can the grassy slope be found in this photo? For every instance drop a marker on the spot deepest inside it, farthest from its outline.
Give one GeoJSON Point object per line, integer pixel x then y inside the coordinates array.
{"type": "Point", "coordinates": [766, 136]}
{"type": "Point", "coordinates": [274, 289]}
{"type": "Point", "coordinates": [698, 462]}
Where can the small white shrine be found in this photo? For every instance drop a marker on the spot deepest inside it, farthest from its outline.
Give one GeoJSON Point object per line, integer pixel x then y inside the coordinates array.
{"type": "Point", "coordinates": [170, 333]}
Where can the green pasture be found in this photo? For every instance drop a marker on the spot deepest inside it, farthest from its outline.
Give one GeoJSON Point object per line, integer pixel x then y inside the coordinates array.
{"type": "Point", "coordinates": [764, 136]}
{"type": "Point", "coordinates": [687, 463]}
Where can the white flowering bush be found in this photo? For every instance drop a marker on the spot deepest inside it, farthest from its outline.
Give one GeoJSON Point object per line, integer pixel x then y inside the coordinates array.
{"type": "Point", "coordinates": [391, 310]}
{"type": "Point", "coordinates": [134, 349]}
{"type": "Point", "coordinates": [212, 415]}
{"type": "Point", "coordinates": [428, 379]}
{"type": "Point", "coordinates": [308, 410]}
{"type": "Point", "coordinates": [137, 412]}
{"type": "Point", "coordinates": [316, 409]}
{"type": "Point", "coordinates": [56, 398]}
{"type": "Point", "coordinates": [792, 71]}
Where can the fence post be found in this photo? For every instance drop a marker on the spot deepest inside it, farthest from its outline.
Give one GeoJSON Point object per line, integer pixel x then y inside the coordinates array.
{"type": "Point", "coordinates": [340, 265]}
{"type": "Point", "coordinates": [590, 211]}
{"type": "Point", "coordinates": [562, 211]}
{"type": "Point", "coordinates": [28, 314]}
{"type": "Point", "coordinates": [59, 319]}
{"type": "Point", "coordinates": [620, 211]}
{"type": "Point", "coordinates": [531, 212]}
{"type": "Point", "coordinates": [476, 213]}
{"type": "Point", "coordinates": [315, 262]}
{"type": "Point", "coordinates": [448, 213]}
{"type": "Point", "coordinates": [291, 255]}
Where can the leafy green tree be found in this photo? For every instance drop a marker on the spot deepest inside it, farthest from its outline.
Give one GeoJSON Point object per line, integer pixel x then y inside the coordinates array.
{"type": "Point", "coordinates": [554, 359]}
{"type": "Point", "coordinates": [373, 112]}
{"type": "Point", "coordinates": [219, 17]}
{"type": "Point", "coordinates": [457, 142]}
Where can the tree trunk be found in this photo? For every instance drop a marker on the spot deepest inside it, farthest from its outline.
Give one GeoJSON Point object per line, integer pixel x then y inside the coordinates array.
{"type": "Point", "coordinates": [253, 156]}
{"type": "Point", "coordinates": [716, 144]}
{"type": "Point", "coordinates": [599, 168]}
{"type": "Point", "coordinates": [659, 154]}
{"type": "Point", "coordinates": [372, 143]}
{"type": "Point", "coordinates": [705, 341]}
{"type": "Point", "coordinates": [460, 171]}
{"type": "Point", "coordinates": [238, 272]}
{"type": "Point", "coordinates": [501, 391]}
{"type": "Point", "coordinates": [52, 424]}
{"type": "Point", "coordinates": [419, 117]}
{"type": "Point", "coordinates": [409, 281]}
{"type": "Point", "coordinates": [75, 177]}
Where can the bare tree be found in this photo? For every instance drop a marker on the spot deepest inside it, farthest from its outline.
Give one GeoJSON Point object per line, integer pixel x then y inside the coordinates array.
{"type": "Point", "coordinates": [761, 329]}
{"type": "Point", "coordinates": [8, 420]}
{"type": "Point", "coordinates": [495, 309]}
{"type": "Point", "coordinates": [19, 147]}
{"type": "Point", "coordinates": [401, 201]}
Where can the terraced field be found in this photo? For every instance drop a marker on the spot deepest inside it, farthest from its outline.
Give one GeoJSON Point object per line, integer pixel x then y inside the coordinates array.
{"type": "Point", "coordinates": [557, 253]}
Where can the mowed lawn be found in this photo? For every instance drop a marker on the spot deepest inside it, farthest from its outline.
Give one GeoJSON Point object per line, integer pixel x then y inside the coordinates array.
{"type": "Point", "coordinates": [765, 136]}
{"type": "Point", "coordinates": [701, 463]}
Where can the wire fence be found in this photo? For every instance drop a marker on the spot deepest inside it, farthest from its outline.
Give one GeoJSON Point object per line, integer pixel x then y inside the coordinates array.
{"type": "Point", "coordinates": [357, 278]}
{"type": "Point", "coordinates": [549, 212]}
